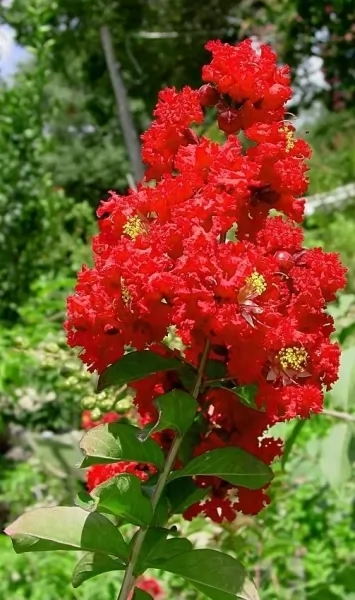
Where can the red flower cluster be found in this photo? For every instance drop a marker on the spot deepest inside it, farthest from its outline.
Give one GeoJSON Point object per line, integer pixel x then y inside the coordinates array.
{"type": "Point", "coordinates": [162, 259]}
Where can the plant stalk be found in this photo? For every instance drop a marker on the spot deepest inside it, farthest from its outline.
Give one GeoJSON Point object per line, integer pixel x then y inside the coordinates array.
{"type": "Point", "coordinates": [129, 577]}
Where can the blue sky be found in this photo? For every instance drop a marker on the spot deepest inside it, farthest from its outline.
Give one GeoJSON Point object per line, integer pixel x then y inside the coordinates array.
{"type": "Point", "coordinates": [11, 54]}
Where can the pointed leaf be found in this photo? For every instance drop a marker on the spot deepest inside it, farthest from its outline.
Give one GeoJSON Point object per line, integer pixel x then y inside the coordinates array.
{"type": "Point", "coordinates": [176, 409]}
{"type": "Point", "coordinates": [165, 550]}
{"type": "Point", "coordinates": [231, 464]}
{"type": "Point", "coordinates": [152, 539]}
{"type": "Point", "coordinates": [122, 496]}
{"type": "Point", "coordinates": [112, 442]}
{"type": "Point", "coordinates": [135, 366]}
{"type": "Point", "coordinates": [85, 501]}
{"type": "Point", "coordinates": [334, 459]}
{"type": "Point", "coordinates": [66, 528]}
{"type": "Point", "coordinates": [249, 592]}
{"type": "Point", "coordinates": [139, 594]}
{"type": "Point", "coordinates": [92, 565]}
{"type": "Point", "coordinates": [218, 575]}
{"type": "Point", "coordinates": [182, 494]}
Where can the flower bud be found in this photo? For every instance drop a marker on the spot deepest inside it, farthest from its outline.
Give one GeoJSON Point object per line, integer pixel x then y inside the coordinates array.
{"type": "Point", "coordinates": [96, 414]}
{"type": "Point", "coordinates": [285, 260]}
{"type": "Point", "coordinates": [88, 402]}
{"type": "Point", "coordinates": [228, 121]}
{"type": "Point", "coordinates": [208, 95]}
{"type": "Point", "coordinates": [106, 404]}
{"type": "Point", "coordinates": [124, 404]}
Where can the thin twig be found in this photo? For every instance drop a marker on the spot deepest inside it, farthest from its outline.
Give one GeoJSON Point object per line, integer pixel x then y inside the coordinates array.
{"type": "Point", "coordinates": [337, 414]}
{"type": "Point", "coordinates": [221, 380]}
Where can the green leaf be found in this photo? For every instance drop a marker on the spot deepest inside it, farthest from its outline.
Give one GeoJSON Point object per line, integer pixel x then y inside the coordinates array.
{"type": "Point", "coordinates": [85, 501]}
{"type": "Point", "coordinates": [153, 537]}
{"type": "Point", "coordinates": [334, 460]}
{"type": "Point", "coordinates": [215, 369]}
{"type": "Point", "coordinates": [291, 440]}
{"type": "Point", "coordinates": [187, 376]}
{"type": "Point", "coordinates": [217, 575]}
{"type": "Point", "coordinates": [191, 438]}
{"type": "Point", "coordinates": [66, 528]}
{"type": "Point", "coordinates": [231, 464]}
{"type": "Point", "coordinates": [122, 496]}
{"type": "Point", "coordinates": [134, 366]}
{"type": "Point", "coordinates": [139, 594]}
{"type": "Point", "coordinates": [165, 550]}
{"type": "Point", "coordinates": [246, 394]}
{"type": "Point", "coordinates": [112, 442]}
{"type": "Point", "coordinates": [92, 565]}
{"type": "Point", "coordinates": [176, 409]}
{"type": "Point", "coordinates": [156, 549]}
{"type": "Point", "coordinates": [182, 494]}
{"type": "Point", "coordinates": [343, 390]}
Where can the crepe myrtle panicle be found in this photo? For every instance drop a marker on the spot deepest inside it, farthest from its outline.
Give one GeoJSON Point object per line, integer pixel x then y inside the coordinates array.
{"type": "Point", "coordinates": [259, 300]}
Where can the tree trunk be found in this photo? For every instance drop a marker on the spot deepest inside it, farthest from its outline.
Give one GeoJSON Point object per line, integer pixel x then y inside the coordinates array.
{"type": "Point", "coordinates": [122, 103]}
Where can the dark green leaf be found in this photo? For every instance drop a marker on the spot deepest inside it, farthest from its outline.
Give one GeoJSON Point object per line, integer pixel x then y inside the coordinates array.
{"type": "Point", "coordinates": [334, 460]}
{"type": "Point", "coordinates": [92, 565]}
{"type": "Point", "coordinates": [176, 409]}
{"type": "Point", "coordinates": [139, 594]}
{"type": "Point", "coordinates": [156, 549]}
{"type": "Point", "coordinates": [165, 550]}
{"type": "Point", "coordinates": [161, 513]}
{"type": "Point", "coordinates": [182, 494]}
{"type": "Point", "coordinates": [85, 501]}
{"type": "Point", "coordinates": [187, 377]}
{"type": "Point", "coordinates": [112, 442]}
{"type": "Point", "coordinates": [215, 369]}
{"type": "Point", "coordinates": [291, 440]}
{"type": "Point", "coordinates": [134, 366]}
{"type": "Point", "coordinates": [66, 528]}
{"type": "Point", "coordinates": [192, 438]}
{"type": "Point", "coordinates": [151, 543]}
{"type": "Point", "coordinates": [231, 464]}
{"type": "Point", "coordinates": [247, 394]}
{"type": "Point", "coordinates": [122, 496]}
{"type": "Point", "coordinates": [217, 575]}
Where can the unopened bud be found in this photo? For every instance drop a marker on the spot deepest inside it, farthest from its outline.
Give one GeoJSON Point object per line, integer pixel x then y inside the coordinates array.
{"type": "Point", "coordinates": [285, 260]}
{"type": "Point", "coordinates": [106, 405]}
{"type": "Point", "coordinates": [228, 121]}
{"type": "Point", "coordinates": [88, 402]}
{"type": "Point", "coordinates": [124, 404]}
{"type": "Point", "coordinates": [96, 414]}
{"type": "Point", "coordinates": [208, 95]}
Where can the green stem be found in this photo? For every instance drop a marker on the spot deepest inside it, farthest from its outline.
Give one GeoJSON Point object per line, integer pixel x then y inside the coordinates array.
{"type": "Point", "coordinates": [129, 578]}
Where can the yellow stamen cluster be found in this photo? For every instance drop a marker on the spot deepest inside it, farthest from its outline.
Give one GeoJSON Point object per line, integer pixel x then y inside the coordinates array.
{"type": "Point", "coordinates": [256, 283]}
{"type": "Point", "coordinates": [126, 296]}
{"type": "Point", "coordinates": [290, 142]}
{"type": "Point", "coordinates": [133, 227]}
{"type": "Point", "coordinates": [292, 358]}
